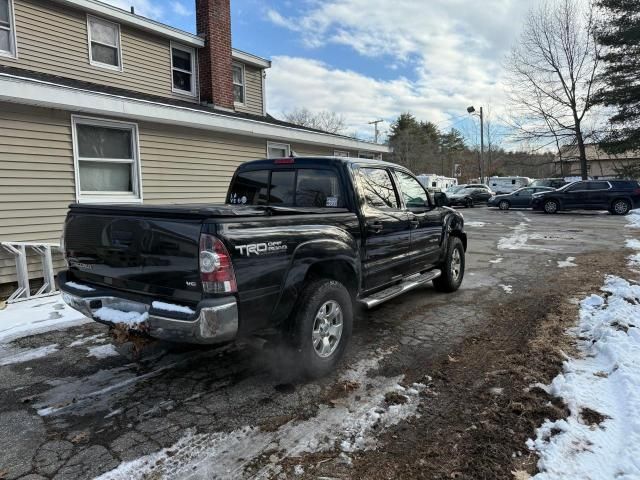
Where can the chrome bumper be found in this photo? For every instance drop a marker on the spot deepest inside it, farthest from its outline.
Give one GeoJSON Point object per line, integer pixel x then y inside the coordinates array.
{"type": "Point", "coordinates": [217, 320]}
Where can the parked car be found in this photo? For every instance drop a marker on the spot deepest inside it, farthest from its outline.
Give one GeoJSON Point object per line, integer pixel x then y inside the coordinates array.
{"type": "Point", "coordinates": [617, 196]}
{"type": "Point", "coordinates": [519, 199]}
{"type": "Point", "coordinates": [469, 195]}
{"type": "Point", "coordinates": [298, 243]}
{"type": "Point", "coordinates": [549, 182]}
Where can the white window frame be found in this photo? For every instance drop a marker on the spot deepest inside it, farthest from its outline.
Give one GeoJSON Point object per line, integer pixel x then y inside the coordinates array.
{"type": "Point", "coordinates": [95, 63]}
{"type": "Point", "coordinates": [13, 39]}
{"type": "Point", "coordinates": [191, 51]}
{"type": "Point", "coordinates": [341, 153]}
{"type": "Point", "coordinates": [284, 146]}
{"type": "Point", "coordinates": [243, 84]}
{"type": "Point", "coordinates": [136, 171]}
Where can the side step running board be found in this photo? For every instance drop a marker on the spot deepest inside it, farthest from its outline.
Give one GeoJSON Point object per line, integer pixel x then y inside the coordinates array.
{"type": "Point", "coordinates": [407, 284]}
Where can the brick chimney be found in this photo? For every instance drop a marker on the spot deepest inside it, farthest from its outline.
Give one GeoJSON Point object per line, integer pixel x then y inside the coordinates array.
{"type": "Point", "coordinates": [213, 21]}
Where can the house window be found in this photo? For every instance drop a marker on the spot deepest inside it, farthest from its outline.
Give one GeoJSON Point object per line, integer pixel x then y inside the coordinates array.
{"type": "Point", "coordinates": [278, 150]}
{"type": "Point", "coordinates": [340, 153]}
{"type": "Point", "coordinates": [238, 83]}
{"type": "Point", "coordinates": [107, 161]}
{"type": "Point", "coordinates": [7, 29]}
{"type": "Point", "coordinates": [183, 66]}
{"type": "Point", "coordinates": [104, 43]}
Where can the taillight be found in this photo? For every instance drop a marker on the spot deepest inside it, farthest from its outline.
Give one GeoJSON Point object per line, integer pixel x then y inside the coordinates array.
{"type": "Point", "coordinates": [636, 191]}
{"type": "Point", "coordinates": [216, 269]}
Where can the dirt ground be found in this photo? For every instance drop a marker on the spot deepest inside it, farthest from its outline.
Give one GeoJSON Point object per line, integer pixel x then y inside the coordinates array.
{"type": "Point", "coordinates": [480, 406]}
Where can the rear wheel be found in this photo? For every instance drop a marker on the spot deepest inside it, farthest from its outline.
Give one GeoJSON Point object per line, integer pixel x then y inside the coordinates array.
{"type": "Point", "coordinates": [322, 326]}
{"type": "Point", "coordinates": [551, 206]}
{"type": "Point", "coordinates": [620, 207]}
{"type": "Point", "coordinates": [504, 205]}
{"type": "Point", "coordinates": [452, 268]}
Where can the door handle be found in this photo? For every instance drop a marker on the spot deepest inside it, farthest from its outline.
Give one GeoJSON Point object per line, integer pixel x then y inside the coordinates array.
{"type": "Point", "coordinates": [375, 227]}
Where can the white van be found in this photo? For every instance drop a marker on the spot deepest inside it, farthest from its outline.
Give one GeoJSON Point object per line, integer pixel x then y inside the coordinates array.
{"type": "Point", "coordinates": [507, 184]}
{"type": "Point", "coordinates": [436, 183]}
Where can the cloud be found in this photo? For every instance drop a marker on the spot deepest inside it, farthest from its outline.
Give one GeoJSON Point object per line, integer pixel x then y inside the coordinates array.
{"type": "Point", "coordinates": [454, 49]}
{"type": "Point", "coordinates": [179, 9]}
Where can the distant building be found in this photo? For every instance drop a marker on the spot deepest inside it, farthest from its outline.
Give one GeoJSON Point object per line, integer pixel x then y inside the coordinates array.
{"type": "Point", "coordinates": [599, 163]}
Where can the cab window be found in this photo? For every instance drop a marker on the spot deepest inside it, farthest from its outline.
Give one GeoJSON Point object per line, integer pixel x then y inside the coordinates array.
{"type": "Point", "coordinates": [413, 194]}
{"type": "Point", "coordinates": [378, 188]}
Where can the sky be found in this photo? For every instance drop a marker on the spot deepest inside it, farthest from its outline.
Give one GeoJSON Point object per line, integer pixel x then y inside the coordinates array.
{"type": "Point", "coordinates": [373, 59]}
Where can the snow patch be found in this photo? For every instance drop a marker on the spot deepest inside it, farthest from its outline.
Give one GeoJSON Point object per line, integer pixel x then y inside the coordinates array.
{"type": "Point", "coordinates": [474, 224]}
{"type": "Point", "coordinates": [9, 356]}
{"type": "Point", "coordinates": [99, 338]}
{"type": "Point", "coordinates": [496, 260]}
{"type": "Point", "coordinates": [515, 241]}
{"type": "Point", "coordinates": [634, 219]}
{"type": "Point", "coordinates": [350, 422]}
{"type": "Point", "coordinates": [606, 380]}
{"type": "Point", "coordinates": [102, 351]}
{"type": "Point", "coordinates": [170, 307]}
{"type": "Point", "coordinates": [79, 286]}
{"type": "Point", "coordinates": [117, 316]}
{"type": "Point", "coordinates": [507, 288]}
{"type": "Point", "coordinates": [39, 315]}
{"type": "Point", "coordinates": [569, 262]}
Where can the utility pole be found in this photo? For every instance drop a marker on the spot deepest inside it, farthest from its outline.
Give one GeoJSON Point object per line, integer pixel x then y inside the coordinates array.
{"type": "Point", "coordinates": [375, 126]}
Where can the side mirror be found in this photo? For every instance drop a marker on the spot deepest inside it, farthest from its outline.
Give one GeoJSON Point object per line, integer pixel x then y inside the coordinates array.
{"type": "Point", "coordinates": [440, 199]}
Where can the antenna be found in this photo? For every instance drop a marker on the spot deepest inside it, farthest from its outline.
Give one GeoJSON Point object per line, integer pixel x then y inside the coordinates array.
{"type": "Point", "coordinates": [375, 126]}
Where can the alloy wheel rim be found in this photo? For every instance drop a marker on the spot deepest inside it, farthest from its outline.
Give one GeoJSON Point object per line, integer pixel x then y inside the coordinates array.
{"type": "Point", "coordinates": [620, 207]}
{"type": "Point", "coordinates": [550, 207]}
{"type": "Point", "coordinates": [456, 264]}
{"type": "Point", "coordinates": [327, 329]}
{"type": "Point", "coordinates": [503, 205]}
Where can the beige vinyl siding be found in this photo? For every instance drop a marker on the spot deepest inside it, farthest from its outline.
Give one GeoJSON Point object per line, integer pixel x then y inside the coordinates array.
{"type": "Point", "coordinates": [52, 39]}
{"type": "Point", "coordinates": [191, 166]}
{"type": "Point", "coordinates": [36, 180]}
{"type": "Point", "coordinates": [253, 91]}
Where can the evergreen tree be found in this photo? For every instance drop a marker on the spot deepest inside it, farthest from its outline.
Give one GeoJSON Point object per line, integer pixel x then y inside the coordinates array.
{"type": "Point", "coordinates": [620, 36]}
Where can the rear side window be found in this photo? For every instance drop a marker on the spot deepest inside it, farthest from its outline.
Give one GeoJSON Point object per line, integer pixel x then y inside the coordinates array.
{"type": "Point", "coordinates": [624, 184]}
{"type": "Point", "coordinates": [378, 188]}
{"type": "Point", "coordinates": [598, 185]}
{"type": "Point", "coordinates": [315, 188]}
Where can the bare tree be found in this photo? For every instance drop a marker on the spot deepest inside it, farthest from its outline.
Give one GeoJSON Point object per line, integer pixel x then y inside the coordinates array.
{"type": "Point", "coordinates": [330, 122]}
{"type": "Point", "coordinates": [553, 74]}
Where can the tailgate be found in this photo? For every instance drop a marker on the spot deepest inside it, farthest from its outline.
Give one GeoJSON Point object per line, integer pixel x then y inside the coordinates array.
{"type": "Point", "coordinates": [139, 253]}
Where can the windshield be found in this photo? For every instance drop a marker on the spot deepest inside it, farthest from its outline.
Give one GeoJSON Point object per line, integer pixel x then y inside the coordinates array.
{"type": "Point", "coordinates": [564, 187]}
{"type": "Point", "coordinates": [455, 188]}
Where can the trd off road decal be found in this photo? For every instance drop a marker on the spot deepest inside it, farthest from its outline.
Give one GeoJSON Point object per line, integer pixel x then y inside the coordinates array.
{"type": "Point", "coordinates": [261, 248]}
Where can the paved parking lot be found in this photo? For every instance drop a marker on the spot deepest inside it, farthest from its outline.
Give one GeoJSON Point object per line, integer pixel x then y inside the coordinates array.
{"type": "Point", "coordinates": [81, 410]}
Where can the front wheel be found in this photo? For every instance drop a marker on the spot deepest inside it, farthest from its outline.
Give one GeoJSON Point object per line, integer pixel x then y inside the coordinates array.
{"type": "Point", "coordinates": [551, 206]}
{"type": "Point", "coordinates": [504, 205]}
{"type": "Point", "coordinates": [322, 328]}
{"type": "Point", "coordinates": [452, 268]}
{"type": "Point", "coordinates": [620, 207]}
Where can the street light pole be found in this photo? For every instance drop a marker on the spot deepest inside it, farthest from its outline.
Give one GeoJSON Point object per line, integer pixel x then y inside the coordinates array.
{"type": "Point", "coordinates": [472, 111]}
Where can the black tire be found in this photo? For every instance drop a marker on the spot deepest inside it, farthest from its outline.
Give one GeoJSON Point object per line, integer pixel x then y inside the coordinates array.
{"type": "Point", "coordinates": [449, 281]}
{"type": "Point", "coordinates": [504, 205]}
{"type": "Point", "coordinates": [620, 207]}
{"type": "Point", "coordinates": [315, 295]}
{"type": "Point", "coordinates": [551, 206]}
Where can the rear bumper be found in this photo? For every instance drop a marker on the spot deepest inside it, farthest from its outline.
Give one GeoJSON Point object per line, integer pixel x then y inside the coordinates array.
{"type": "Point", "coordinates": [213, 321]}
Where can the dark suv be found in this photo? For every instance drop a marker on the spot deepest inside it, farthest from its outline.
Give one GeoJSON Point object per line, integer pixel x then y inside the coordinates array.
{"type": "Point", "coordinates": [617, 196]}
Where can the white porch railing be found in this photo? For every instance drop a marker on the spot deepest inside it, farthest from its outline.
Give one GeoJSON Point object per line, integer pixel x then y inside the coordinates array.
{"type": "Point", "coordinates": [19, 251]}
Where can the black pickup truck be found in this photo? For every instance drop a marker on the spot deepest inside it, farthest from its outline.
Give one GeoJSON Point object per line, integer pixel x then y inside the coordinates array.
{"type": "Point", "coordinates": [299, 242]}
